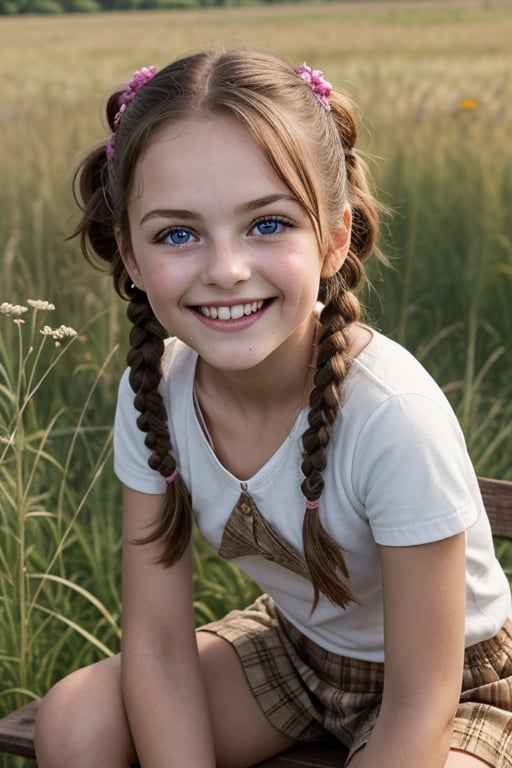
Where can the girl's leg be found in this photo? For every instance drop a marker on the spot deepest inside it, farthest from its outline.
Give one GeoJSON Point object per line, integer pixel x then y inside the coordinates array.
{"type": "Point", "coordinates": [242, 733]}
{"type": "Point", "coordinates": [456, 759]}
{"type": "Point", "coordinates": [82, 721]}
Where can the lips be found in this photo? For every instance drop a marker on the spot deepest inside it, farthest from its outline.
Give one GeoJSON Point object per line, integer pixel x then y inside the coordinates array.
{"type": "Point", "coordinates": [234, 312]}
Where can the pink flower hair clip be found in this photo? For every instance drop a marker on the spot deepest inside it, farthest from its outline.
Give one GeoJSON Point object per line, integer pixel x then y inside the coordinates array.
{"type": "Point", "coordinates": [140, 78]}
{"type": "Point", "coordinates": [319, 85]}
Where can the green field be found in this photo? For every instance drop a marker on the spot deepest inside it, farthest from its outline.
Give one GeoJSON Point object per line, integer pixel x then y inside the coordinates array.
{"type": "Point", "coordinates": [433, 84]}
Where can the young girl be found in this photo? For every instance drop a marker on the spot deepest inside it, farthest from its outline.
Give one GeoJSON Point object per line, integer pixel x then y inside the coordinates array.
{"type": "Point", "coordinates": [235, 216]}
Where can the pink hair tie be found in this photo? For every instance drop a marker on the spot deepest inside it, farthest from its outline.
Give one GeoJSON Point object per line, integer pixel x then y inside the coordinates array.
{"type": "Point", "coordinates": [319, 85]}
{"type": "Point", "coordinates": [312, 504]}
{"type": "Point", "coordinates": [171, 478]}
{"type": "Point", "coordinates": [140, 78]}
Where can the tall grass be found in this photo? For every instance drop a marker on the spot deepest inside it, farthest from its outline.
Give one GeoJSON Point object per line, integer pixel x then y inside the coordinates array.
{"type": "Point", "coordinates": [449, 167]}
{"type": "Point", "coordinates": [51, 457]}
{"type": "Point", "coordinates": [432, 81]}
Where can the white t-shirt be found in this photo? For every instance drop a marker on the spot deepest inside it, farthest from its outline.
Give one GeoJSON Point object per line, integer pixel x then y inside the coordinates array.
{"type": "Point", "coordinates": [398, 474]}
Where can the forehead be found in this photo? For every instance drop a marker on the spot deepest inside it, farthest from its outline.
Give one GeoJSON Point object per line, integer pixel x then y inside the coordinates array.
{"type": "Point", "coordinates": [206, 154]}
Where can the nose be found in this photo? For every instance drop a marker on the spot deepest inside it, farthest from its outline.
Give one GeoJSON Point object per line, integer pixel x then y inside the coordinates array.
{"type": "Point", "coordinates": [226, 264]}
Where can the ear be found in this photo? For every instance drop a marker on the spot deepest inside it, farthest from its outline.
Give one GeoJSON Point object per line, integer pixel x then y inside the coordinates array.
{"type": "Point", "coordinates": [338, 252]}
{"type": "Point", "coordinates": [129, 261]}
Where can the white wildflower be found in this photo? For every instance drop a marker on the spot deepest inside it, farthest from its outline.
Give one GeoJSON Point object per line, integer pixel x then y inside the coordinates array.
{"type": "Point", "coordinates": [65, 331]}
{"type": "Point", "coordinates": [62, 332]}
{"type": "Point", "coordinates": [40, 304]}
{"type": "Point", "coordinates": [15, 310]}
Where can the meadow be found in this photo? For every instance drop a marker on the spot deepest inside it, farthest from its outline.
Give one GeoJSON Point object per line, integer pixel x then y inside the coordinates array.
{"type": "Point", "coordinates": [432, 82]}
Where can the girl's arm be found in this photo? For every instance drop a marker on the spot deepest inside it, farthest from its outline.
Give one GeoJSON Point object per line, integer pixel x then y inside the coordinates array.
{"type": "Point", "coordinates": [163, 690]}
{"type": "Point", "coordinates": [424, 616]}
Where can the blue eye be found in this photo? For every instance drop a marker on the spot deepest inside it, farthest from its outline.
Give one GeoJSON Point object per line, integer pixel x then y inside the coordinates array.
{"type": "Point", "coordinates": [268, 227]}
{"type": "Point", "coordinates": [271, 225]}
{"type": "Point", "coordinates": [175, 236]}
{"type": "Point", "coordinates": [178, 236]}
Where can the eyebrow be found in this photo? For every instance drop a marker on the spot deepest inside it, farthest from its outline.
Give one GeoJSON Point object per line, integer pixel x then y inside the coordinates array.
{"type": "Point", "coordinates": [185, 215]}
{"type": "Point", "coordinates": [261, 202]}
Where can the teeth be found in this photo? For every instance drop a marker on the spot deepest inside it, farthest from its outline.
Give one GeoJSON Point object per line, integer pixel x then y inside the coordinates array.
{"type": "Point", "coordinates": [231, 313]}
{"type": "Point", "coordinates": [236, 313]}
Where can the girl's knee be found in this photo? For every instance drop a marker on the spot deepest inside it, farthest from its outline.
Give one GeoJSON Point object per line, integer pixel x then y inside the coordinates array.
{"type": "Point", "coordinates": [82, 715]}
{"type": "Point", "coordinates": [59, 725]}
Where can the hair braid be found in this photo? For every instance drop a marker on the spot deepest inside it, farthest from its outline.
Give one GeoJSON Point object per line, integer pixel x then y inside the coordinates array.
{"type": "Point", "coordinates": [174, 527]}
{"type": "Point", "coordinates": [323, 555]}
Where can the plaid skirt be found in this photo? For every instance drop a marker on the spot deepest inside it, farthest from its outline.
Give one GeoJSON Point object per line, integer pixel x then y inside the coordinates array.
{"type": "Point", "coordinates": [309, 693]}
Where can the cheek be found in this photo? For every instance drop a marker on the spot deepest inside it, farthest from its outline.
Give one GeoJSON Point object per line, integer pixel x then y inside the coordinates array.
{"type": "Point", "coordinates": [162, 306]}
{"type": "Point", "coordinates": [157, 293]}
{"type": "Point", "coordinates": [165, 288]}
{"type": "Point", "coordinates": [302, 289]}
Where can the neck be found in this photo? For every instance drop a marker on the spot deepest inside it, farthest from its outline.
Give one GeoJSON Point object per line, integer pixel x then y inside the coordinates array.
{"type": "Point", "coordinates": [283, 379]}
{"type": "Point", "coordinates": [247, 415]}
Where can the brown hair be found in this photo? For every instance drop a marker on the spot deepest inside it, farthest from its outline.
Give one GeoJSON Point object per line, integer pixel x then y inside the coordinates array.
{"type": "Point", "coordinates": [312, 151]}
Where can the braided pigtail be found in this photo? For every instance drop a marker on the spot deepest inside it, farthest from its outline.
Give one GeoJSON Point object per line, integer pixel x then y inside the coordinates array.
{"type": "Point", "coordinates": [324, 557]}
{"type": "Point", "coordinates": [174, 528]}
{"type": "Point", "coordinates": [102, 187]}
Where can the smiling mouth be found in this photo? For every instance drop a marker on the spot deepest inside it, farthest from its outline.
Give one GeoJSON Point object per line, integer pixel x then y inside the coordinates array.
{"type": "Point", "coordinates": [234, 312]}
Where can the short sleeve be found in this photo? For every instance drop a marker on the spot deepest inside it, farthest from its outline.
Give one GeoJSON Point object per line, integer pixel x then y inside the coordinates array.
{"type": "Point", "coordinates": [412, 472]}
{"type": "Point", "coordinates": [130, 452]}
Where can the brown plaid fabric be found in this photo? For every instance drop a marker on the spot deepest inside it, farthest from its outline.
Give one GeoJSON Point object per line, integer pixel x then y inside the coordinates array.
{"type": "Point", "coordinates": [309, 693]}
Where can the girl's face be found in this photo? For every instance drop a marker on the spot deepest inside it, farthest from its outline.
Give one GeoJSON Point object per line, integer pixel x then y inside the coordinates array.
{"type": "Point", "coordinates": [229, 260]}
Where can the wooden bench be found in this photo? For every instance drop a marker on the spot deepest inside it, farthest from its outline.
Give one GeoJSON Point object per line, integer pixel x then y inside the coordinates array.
{"type": "Point", "coordinates": [17, 729]}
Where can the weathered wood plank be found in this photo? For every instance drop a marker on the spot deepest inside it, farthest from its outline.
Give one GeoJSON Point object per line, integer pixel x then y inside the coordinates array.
{"type": "Point", "coordinates": [17, 731]}
{"type": "Point", "coordinates": [497, 496]}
